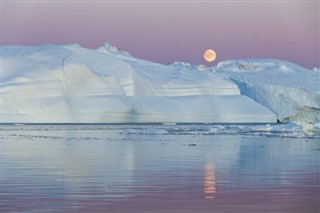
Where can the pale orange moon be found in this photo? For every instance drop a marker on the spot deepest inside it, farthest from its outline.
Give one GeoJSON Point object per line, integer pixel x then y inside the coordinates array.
{"type": "Point", "coordinates": [209, 55]}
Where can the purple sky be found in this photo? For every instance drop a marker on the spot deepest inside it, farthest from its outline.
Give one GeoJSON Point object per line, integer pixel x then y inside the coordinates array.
{"type": "Point", "coordinates": [173, 30]}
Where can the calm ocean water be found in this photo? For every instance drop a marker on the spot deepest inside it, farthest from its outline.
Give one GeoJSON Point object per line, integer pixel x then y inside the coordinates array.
{"type": "Point", "coordinates": [151, 168]}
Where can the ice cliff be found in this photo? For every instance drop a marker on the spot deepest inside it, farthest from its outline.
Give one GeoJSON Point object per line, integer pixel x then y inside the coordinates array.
{"type": "Point", "coordinates": [71, 84]}
{"type": "Point", "coordinates": [290, 91]}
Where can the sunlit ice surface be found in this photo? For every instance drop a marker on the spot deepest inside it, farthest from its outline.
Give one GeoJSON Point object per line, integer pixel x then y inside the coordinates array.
{"type": "Point", "coordinates": [159, 168]}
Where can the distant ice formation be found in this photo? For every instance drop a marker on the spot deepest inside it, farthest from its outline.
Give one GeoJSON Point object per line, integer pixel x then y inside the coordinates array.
{"type": "Point", "coordinates": [290, 91]}
{"type": "Point", "coordinates": [71, 84]}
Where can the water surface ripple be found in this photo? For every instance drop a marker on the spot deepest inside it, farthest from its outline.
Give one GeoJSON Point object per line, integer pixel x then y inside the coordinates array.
{"type": "Point", "coordinates": [155, 168]}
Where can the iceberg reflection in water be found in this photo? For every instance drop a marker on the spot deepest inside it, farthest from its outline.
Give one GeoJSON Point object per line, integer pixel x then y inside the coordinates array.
{"type": "Point", "coordinates": [154, 168]}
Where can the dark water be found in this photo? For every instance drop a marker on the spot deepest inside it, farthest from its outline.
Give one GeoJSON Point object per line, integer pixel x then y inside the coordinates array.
{"type": "Point", "coordinates": [146, 169]}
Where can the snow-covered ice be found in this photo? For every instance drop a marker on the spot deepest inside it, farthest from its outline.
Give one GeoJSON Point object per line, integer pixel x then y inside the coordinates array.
{"type": "Point", "coordinates": [290, 91]}
{"type": "Point", "coordinates": [72, 84]}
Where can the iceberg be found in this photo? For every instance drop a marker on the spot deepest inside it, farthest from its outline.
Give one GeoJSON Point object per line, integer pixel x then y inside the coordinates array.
{"type": "Point", "coordinates": [72, 84]}
{"type": "Point", "coordinates": [289, 90]}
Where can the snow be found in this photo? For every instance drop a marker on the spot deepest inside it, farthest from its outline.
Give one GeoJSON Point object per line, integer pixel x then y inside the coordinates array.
{"type": "Point", "coordinates": [72, 84]}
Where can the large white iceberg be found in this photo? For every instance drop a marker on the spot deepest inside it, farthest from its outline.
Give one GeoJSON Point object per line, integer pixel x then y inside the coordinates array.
{"type": "Point", "coordinates": [71, 84]}
{"type": "Point", "coordinates": [289, 90]}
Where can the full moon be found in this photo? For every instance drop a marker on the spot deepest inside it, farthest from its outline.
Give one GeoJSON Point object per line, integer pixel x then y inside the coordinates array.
{"type": "Point", "coordinates": [209, 55]}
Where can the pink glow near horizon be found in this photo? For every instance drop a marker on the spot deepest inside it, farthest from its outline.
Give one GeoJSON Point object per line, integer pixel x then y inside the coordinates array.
{"type": "Point", "coordinates": [177, 31]}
